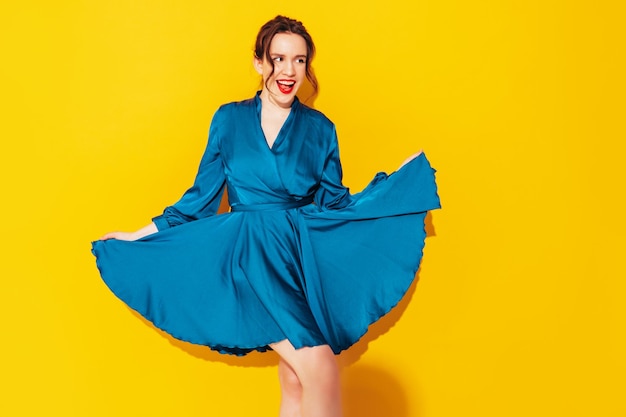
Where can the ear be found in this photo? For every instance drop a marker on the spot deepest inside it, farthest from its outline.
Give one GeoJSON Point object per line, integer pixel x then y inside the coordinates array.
{"type": "Point", "coordinates": [258, 65]}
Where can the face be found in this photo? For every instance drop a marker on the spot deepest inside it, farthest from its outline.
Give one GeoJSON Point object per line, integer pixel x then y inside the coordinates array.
{"type": "Point", "coordinates": [288, 52]}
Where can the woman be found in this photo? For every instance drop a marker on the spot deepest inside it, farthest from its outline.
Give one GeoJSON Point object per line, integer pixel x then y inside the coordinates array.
{"type": "Point", "coordinates": [298, 265]}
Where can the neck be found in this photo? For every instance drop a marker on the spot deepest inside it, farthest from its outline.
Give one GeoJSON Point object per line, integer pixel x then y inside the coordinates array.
{"type": "Point", "coordinates": [269, 102]}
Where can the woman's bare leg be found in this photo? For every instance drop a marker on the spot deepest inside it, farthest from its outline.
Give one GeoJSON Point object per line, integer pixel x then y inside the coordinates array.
{"type": "Point", "coordinates": [290, 391]}
{"type": "Point", "coordinates": [317, 371]}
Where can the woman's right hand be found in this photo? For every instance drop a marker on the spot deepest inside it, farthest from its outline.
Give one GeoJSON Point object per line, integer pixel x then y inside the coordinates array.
{"type": "Point", "coordinates": [144, 231]}
{"type": "Point", "coordinates": [119, 236]}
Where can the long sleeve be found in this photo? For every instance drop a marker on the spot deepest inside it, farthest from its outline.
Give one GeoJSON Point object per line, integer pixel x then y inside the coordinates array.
{"type": "Point", "coordinates": [204, 197]}
{"type": "Point", "coordinates": [332, 194]}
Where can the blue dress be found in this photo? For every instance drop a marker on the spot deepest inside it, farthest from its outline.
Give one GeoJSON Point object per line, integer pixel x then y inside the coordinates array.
{"type": "Point", "coordinates": [298, 257]}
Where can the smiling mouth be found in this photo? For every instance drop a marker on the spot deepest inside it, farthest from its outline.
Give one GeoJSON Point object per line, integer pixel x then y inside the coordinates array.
{"type": "Point", "coordinates": [285, 86]}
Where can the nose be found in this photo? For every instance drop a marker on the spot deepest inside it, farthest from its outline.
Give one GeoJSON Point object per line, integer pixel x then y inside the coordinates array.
{"type": "Point", "coordinates": [289, 68]}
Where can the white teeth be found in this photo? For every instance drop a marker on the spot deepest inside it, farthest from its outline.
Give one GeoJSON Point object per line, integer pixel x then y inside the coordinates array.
{"type": "Point", "coordinates": [286, 83]}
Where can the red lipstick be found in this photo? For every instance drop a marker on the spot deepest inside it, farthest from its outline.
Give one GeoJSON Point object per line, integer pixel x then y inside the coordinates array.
{"type": "Point", "coordinates": [285, 86]}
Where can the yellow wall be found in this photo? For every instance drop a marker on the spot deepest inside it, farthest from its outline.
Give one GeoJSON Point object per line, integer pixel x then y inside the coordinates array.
{"type": "Point", "coordinates": [519, 310]}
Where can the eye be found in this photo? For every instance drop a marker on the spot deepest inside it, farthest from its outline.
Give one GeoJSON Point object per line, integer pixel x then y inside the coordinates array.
{"type": "Point", "coordinates": [301, 61]}
{"type": "Point", "coordinates": [277, 59]}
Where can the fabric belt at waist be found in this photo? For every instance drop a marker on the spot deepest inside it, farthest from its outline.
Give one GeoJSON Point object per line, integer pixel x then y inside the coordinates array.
{"type": "Point", "coordinates": [272, 206]}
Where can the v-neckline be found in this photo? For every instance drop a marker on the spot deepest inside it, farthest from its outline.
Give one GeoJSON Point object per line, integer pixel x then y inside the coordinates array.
{"type": "Point", "coordinates": [280, 134]}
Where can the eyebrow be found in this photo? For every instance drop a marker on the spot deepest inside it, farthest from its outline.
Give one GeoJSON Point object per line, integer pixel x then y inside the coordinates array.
{"type": "Point", "coordinates": [283, 55]}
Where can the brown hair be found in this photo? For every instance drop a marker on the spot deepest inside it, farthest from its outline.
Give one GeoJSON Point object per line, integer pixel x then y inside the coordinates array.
{"type": "Point", "coordinates": [282, 24]}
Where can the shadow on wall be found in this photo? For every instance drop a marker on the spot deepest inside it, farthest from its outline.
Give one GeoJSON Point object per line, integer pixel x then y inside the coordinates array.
{"type": "Point", "coordinates": [372, 392]}
{"type": "Point", "coordinates": [307, 95]}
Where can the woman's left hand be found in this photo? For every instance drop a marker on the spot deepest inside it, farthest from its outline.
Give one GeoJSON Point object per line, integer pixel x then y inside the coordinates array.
{"type": "Point", "coordinates": [410, 158]}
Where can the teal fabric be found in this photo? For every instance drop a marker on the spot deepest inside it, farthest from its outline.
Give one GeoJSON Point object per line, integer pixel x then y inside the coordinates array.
{"type": "Point", "coordinates": [298, 257]}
